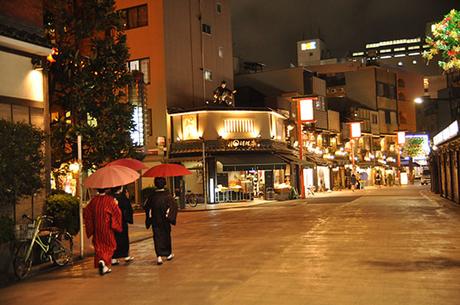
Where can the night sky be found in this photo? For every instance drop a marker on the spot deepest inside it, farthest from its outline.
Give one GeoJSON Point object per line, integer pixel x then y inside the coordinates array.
{"type": "Point", "coordinates": [266, 31]}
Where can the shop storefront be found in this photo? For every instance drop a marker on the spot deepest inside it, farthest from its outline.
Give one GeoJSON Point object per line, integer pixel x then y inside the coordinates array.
{"type": "Point", "coordinates": [444, 167]}
{"type": "Point", "coordinates": [246, 154]}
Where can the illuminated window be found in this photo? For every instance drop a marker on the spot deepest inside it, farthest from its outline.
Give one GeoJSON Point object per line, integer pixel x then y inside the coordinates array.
{"type": "Point", "coordinates": [221, 52]}
{"type": "Point", "coordinates": [239, 125]}
{"type": "Point", "coordinates": [135, 17]}
{"type": "Point", "coordinates": [400, 63]}
{"type": "Point", "coordinates": [208, 75]}
{"type": "Point", "coordinates": [311, 45]}
{"type": "Point", "coordinates": [141, 65]}
{"type": "Point", "coordinates": [206, 28]}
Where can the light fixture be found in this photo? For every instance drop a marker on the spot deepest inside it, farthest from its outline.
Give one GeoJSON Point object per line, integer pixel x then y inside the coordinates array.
{"type": "Point", "coordinates": [418, 100]}
{"type": "Point", "coordinates": [37, 63]}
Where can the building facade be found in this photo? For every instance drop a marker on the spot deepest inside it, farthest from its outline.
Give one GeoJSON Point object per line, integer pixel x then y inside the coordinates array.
{"type": "Point", "coordinates": [184, 50]}
{"type": "Point", "coordinates": [235, 154]}
{"type": "Point", "coordinates": [23, 81]}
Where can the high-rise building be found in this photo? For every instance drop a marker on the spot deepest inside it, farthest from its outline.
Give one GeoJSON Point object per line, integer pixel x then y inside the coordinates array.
{"type": "Point", "coordinates": [184, 50]}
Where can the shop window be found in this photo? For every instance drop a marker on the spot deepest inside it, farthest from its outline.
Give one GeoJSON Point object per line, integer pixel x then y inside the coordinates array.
{"type": "Point", "coordinates": [21, 114]}
{"type": "Point", "coordinates": [5, 111]}
{"type": "Point", "coordinates": [36, 117]}
{"type": "Point", "coordinates": [135, 17]}
{"type": "Point", "coordinates": [141, 65]}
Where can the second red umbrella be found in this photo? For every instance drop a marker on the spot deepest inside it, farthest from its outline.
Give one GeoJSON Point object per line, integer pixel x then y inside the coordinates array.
{"type": "Point", "coordinates": [167, 170]}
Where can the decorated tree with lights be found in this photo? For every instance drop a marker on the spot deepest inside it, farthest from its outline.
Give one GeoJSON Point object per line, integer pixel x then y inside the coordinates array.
{"type": "Point", "coordinates": [445, 42]}
{"type": "Point", "coordinates": [88, 82]}
{"type": "Point", "coordinates": [413, 148]}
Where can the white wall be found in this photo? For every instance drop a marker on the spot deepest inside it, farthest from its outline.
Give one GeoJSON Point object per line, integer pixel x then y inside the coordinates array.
{"type": "Point", "coordinates": [18, 78]}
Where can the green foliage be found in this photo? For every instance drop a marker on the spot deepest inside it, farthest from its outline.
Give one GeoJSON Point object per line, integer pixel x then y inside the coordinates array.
{"type": "Point", "coordinates": [413, 147]}
{"type": "Point", "coordinates": [21, 161]}
{"type": "Point", "coordinates": [6, 229]}
{"type": "Point", "coordinates": [64, 208]}
{"type": "Point", "coordinates": [445, 41]}
{"type": "Point", "coordinates": [88, 82]}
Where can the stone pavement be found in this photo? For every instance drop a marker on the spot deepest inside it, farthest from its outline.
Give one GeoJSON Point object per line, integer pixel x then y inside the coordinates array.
{"type": "Point", "coordinates": [371, 247]}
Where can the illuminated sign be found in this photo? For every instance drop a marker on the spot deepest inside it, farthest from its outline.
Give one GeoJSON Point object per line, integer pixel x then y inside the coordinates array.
{"type": "Point", "coordinates": [189, 127]}
{"type": "Point", "coordinates": [310, 45]}
{"type": "Point", "coordinates": [355, 130]}
{"type": "Point", "coordinates": [448, 133]}
{"type": "Point", "coordinates": [306, 110]}
{"type": "Point", "coordinates": [241, 143]}
{"type": "Point", "coordinates": [401, 137]}
{"type": "Point", "coordinates": [425, 146]}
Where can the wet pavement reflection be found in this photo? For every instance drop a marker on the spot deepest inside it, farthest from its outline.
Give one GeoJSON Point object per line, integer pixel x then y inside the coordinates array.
{"type": "Point", "coordinates": [388, 246]}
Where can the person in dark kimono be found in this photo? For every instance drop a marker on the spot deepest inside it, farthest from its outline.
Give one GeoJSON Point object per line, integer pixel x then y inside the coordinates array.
{"type": "Point", "coordinates": [102, 218]}
{"type": "Point", "coordinates": [122, 238]}
{"type": "Point", "coordinates": [160, 213]}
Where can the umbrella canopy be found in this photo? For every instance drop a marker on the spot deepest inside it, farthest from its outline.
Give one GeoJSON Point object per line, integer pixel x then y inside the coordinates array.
{"type": "Point", "coordinates": [128, 162]}
{"type": "Point", "coordinates": [111, 176]}
{"type": "Point", "coordinates": [167, 170]}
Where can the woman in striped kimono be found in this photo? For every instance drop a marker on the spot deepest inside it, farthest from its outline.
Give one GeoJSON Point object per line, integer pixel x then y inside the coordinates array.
{"type": "Point", "coordinates": [102, 217]}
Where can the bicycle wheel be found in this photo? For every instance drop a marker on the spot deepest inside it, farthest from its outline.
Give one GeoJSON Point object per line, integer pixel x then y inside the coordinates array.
{"type": "Point", "coordinates": [21, 264]}
{"type": "Point", "coordinates": [193, 201]}
{"type": "Point", "coordinates": [61, 249]}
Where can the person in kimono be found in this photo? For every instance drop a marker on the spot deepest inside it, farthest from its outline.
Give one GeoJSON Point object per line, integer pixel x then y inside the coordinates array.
{"type": "Point", "coordinates": [160, 213]}
{"type": "Point", "coordinates": [122, 238]}
{"type": "Point", "coordinates": [102, 218]}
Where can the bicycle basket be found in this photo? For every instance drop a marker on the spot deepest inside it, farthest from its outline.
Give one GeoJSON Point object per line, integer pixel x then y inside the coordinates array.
{"type": "Point", "coordinates": [24, 232]}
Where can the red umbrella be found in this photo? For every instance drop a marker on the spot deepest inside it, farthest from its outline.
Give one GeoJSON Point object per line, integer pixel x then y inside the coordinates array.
{"type": "Point", "coordinates": [167, 170]}
{"type": "Point", "coordinates": [111, 176]}
{"type": "Point", "coordinates": [128, 162]}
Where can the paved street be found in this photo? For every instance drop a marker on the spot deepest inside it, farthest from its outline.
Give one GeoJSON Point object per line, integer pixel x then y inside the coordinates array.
{"type": "Point", "coordinates": [388, 246]}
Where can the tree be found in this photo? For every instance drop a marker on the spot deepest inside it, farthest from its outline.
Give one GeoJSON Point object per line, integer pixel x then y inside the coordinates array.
{"type": "Point", "coordinates": [21, 162]}
{"type": "Point", "coordinates": [445, 41]}
{"type": "Point", "coordinates": [88, 82]}
{"type": "Point", "coordinates": [413, 148]}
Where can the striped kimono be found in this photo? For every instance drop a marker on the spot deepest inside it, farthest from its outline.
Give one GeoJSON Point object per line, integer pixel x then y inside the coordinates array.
{"type": "Point", "coordinates": [102, 217]}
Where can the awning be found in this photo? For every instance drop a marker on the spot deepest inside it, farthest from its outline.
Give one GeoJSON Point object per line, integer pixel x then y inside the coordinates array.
{"type": "Point", "coordinates": [296, 160]}
{"type": "Point", "coordinates": [250, 161]}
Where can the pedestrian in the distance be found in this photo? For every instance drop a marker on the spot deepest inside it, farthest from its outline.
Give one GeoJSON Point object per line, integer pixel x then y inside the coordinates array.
{"type": "Point", "coordinates": [102, 218]}
{"type": "Point", "coordinates": [122, 238]}
{"type": "Point", "coordinates": [160, 213]}
{"type": "Point", "coordinates": [378, 179]}
{"type": "Point", "coordinates": [353, 182]}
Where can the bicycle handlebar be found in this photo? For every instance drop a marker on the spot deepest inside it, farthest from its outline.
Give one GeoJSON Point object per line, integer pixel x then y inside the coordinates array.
{"type": "Point", "coordinates": [38, 217]}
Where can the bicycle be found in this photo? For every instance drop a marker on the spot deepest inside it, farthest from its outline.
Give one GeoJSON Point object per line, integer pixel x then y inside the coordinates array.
{"type": "Point", "coordinates": [191, 199]}
{"type": "Point", "coordinates": [56, 246]}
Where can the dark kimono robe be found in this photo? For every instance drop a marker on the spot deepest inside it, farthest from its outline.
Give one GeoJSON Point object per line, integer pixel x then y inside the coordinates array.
{"type": "Point", "coordinates": [158, 216]}
{"type": "Point", "coordinates": [102, 217]}
{"type": "Point", "coordinates": [122, 237]}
